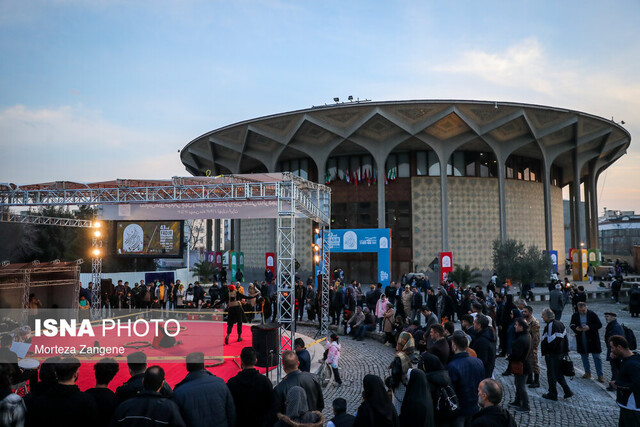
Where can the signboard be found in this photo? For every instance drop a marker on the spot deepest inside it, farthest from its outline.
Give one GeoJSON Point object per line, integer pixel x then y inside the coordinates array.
{"type": "Point", "coordinates": [270, 262]}
{"type": "Point", "coordinates": [376, 240]}
{"type": "Point", "coordinates": [233, 264]}
{"type": "Point", "coordinates": [446, 265]}
{"type": "Point", "coordinates": [594, 257]}
{"type": "Point", "coordinates": [241, 262]}
{"type": "Point", "coordinates": [554, 260]}
{"type": "Point", "coordinates": [218, 259]}
{"type": "Point", "coordinates": [155, 239]}
{"type": "Point", "coordinates": [579, 259]}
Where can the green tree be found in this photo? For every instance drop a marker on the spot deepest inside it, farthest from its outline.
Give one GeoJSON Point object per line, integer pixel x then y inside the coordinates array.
{"type": "Point", "coordinates": [511, 260]}
{"type": "Point", "coordinates": [465, 276]}
{"type": "Point", "coordinates": [204, 270]}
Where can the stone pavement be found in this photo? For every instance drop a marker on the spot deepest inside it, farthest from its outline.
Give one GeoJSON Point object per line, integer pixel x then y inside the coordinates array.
{"type": "Point", "coordinates": [591, 405]}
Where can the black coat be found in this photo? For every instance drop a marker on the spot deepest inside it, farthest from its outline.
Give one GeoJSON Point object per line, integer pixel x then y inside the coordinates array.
{"type": "Point", "coordinates": [252, 394]}
{"type": "Point", "coordinates": [520, 349]}
{"type": "Point", "coordinates": [593, 337]}
{"type": "Point", "coordinates": [493, 416]}
{"type": "Point", "coordinates": [437, 380]}
{"type": "Point", "coordinates": [484, 344]}
{"type": "Point", "coordinates": [417, 407]}
{"type": "Point", "coordinates": [133, 386]}
{"type": "Point", "coordinates": [308, 381]}
{"type": "Point", "coordinates": [147, 408]}
{"type": "Point", "coordinates": [62, 405]}
{"type": "Point", "coordinates": [204, 400]}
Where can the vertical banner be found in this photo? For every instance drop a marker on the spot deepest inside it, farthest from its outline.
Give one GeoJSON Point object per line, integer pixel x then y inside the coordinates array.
{"type": "Point", "coordinates": [233, 264]}
{"type": "Point", "coordinates": [584, 262]}
{"type": "Point", "coordinates": [217, 259]}
{"type": "Point", "coordinates": [446, 265]}
{"type": "Point", "coordinates": [592, 257]}
{"type": "Point", "coordinates": [554, 260]}
{"type": "Point", "coordinates": [241, 262]}
{"type": "Point", "coordinates": [270, 262]}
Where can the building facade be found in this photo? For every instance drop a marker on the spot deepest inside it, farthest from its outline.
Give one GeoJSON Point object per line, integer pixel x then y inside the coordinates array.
{"type": "Point", "coordinates": [442, 175]}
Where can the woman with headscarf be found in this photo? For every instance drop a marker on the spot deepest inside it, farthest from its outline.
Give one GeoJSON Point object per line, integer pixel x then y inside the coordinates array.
{"type": "Point", "coordinates": [297, 411]}
{"type": "Point", "coordinates": [406, 358]}
{"type": "Point", "coordinates": [437, 377]}
{"type": "Point", "coordinates": [387, 324]}
{"type": "Point", "coordinates": [406, 301]}
{"type": "Point", "coordinates": [376, 410]}
{"type": "Point", "coordinates": [417, 407]}
{"type": "Point", "coordinates": [252, 294]}
{"type": "Point", "coordinates": [234, 312]}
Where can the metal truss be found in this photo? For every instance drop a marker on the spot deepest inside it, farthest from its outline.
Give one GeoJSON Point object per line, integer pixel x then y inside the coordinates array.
{"type": "Point", "coordinates": [324, 271]}
{"type": "Point", "coordinates": [219, 189]}
{"type": "Point", "coordinates": [43, 220]}
{"type": "Point", "coordinates": [286, 269]}
{"type": "Point", "coordinates": [95, 309]}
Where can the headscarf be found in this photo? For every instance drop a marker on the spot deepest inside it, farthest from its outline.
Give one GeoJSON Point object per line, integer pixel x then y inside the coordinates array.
{"type": "Point", "coordinates": [417, 407]}
{"type": "Point", "coordinates": [376, 410]}
{"type": "Point", "coordinates": [406, 347]}
{"type": "Point", "coordinates": [431, 363]}
{"type": "Point", "coordinates": [297, 404]}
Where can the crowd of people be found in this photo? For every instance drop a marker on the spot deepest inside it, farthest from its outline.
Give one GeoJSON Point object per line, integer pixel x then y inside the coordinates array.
{"type": "Point", "coordinates": [442, 374]}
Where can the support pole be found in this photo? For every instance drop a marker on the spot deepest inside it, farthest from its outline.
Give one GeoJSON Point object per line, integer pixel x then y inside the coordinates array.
{"type": "Point", "coordinates": [96, 273]}
{"type": "Point", "coordinates": [286, 266]}
{"type": "Point", "coordinates": [324, 289]}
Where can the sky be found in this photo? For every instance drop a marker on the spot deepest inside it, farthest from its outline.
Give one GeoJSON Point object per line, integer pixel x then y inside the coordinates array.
{"type": "Point", "coordinates": [101, 89]}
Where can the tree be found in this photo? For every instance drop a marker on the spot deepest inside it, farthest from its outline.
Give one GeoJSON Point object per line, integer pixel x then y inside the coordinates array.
{"type": "Point", "coordinates": [511, 260]}
{"type": "Point", "coordinates": [465, 276]}
{"type": "Point", "coordinates": [204, 270]}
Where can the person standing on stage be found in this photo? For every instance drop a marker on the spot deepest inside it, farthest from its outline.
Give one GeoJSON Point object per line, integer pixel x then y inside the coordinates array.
{"type": "Point", "coordinates": [235, 313]}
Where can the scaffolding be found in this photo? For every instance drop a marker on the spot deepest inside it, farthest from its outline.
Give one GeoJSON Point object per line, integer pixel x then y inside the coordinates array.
{"type": "Point", "coordinates": [290, 195]}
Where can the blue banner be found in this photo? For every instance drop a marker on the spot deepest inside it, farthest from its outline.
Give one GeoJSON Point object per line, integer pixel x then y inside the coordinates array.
{"type": "Point", "coordinates": [554, 260]}
{"type": "Point", "coordinates": [376, 240]}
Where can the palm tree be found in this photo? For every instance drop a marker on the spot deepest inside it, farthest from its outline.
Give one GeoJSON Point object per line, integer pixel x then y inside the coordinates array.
{"type": "Point", "coordinates": [465, 276]}
{"type": "Point", "coordinates": [204, 270]}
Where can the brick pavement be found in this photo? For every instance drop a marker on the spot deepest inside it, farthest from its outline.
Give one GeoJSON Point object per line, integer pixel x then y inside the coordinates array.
{"type": "Point", "coordinates": [591, 405]}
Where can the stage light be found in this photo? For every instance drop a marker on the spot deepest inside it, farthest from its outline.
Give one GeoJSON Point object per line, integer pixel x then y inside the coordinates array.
{"type": "Point", "coordinates": [96, 252]}
{"type": "Point", "coordinates": [317, 259]}
{"type": "Point", "coordinates": [97, 224]}
{"type": "Point", "coordinates": [316, 248]}
{"type": "Point", "coordinates": [350, 98]}
{"type": "Point", "coordinates": [336, 99]}
{"type": "Point", "coordinates": [97, 233]}
{"type": "Point", "coordinates": [317, 231]}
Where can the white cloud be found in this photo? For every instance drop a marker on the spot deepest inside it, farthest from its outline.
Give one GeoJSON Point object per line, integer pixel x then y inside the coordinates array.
{"type": "Point", "coordinates": [74, 143]}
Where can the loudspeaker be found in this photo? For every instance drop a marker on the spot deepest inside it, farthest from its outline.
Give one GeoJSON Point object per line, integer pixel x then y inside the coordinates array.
{"type": "Point", "coordinates": [265, 342]}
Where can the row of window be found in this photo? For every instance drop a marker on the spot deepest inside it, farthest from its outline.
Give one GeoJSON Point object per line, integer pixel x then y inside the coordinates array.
{"type": "Point", "coordinates": [424, 163]}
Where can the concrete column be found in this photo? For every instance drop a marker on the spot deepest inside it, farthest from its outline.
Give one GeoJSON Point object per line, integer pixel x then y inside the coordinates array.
{"type": "Point", "coordinates": [444, 203]}
{"type": "Point", "coordinates": [587, 215]}
{"type": "Point", "coordinates": [208, 236]}
{"type": "Point", "coordinates": [216, 235]}
{"type": "Point", "coordinates": [380, 164]}
{"type": "Point", "coordinates": [572, 218]}
{"type": "Point", "coordinates": [322, 171]}
{"type": "Point", "coordinates": [236, 244]}
{"type": "Point", "coordinates": [502, 201]}
{"type": "Point", "coordinates": [593, 198]}
{"type": "Point", "coordinates": [577, 225]}
{"type": "Point", "coordinates": [548, 218]}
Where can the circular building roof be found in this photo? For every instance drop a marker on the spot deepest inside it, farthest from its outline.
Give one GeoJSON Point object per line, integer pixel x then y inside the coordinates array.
{"type": "Point", "coordinates": [556, 136]}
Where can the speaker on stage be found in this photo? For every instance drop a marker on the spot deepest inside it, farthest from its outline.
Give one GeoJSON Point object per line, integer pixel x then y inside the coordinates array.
{"type": "Point", "coordinates": [265, 342]}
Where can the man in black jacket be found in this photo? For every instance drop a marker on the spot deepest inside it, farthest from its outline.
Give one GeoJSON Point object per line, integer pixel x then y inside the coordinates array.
{"type": "Point", "coordinates": [627, 382]}
{"type": "Point", "coordinates": [484, 343]}
{"type": "Point", "coordinates": [586, 324]}
{"type": "Point", "coordinates": [149, 407]}
{"type": "Point", "coordinates": [554, 344]}
{"type": "Point", "coordinates": [252, 392]}
{"type": "Point", "coordinates": [491, 414]}
{"type": "Point", "coordinates": [295, 377]}
{"type": "Point", "coordinates": [64, 404]}
{"type": "Point", "coordinates": [137, 366]}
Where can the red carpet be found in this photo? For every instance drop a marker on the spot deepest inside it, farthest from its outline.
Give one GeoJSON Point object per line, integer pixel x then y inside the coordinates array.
{"type": "Point", "coordinates": [206, 337]}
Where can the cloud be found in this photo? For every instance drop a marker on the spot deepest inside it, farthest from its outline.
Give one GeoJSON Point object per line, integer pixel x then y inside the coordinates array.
{"type": "Point", "coordinates": [77, 144]}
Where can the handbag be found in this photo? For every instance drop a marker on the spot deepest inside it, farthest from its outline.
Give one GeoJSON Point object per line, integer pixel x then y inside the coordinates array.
{"type": "Point", "coordinates": [516, 367]}
{"type": "Point", "coordinates": [566, 367]}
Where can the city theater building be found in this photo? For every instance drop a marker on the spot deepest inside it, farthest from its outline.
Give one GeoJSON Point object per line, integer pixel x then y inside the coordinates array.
{"type": "Point", "coordinates": [442, 175]}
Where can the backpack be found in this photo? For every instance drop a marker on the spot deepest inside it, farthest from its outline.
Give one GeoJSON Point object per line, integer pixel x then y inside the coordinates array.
{"type": "Point", "coordinates": [447, 401]}
{"type": "Point", "coordinates": [631, 337]}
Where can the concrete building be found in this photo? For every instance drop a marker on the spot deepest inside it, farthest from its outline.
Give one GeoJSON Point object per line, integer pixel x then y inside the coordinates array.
{"type": "Point", "coordinates": [619, 233]}
{"type": "Point", "coordinates": [442, 175]}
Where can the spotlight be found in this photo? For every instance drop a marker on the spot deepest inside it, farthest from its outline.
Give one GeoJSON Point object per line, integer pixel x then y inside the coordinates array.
{"type": "Point", "coordinates": [317, 259]}
{"type": "Point", "coordinates": [96, 252]}
{"type": "Point", "coordinates": [350, 98]}
{"type": "Point", "coordinates": [336, 99]}
{"type": "Point", "coordinates": [79, 261]}
{"type": "Point", "coordinates": [97, 233]}
{"type": "Point", "coordinates": [317, 231]}
{"type": "Point", "coordinates": [97, 224]}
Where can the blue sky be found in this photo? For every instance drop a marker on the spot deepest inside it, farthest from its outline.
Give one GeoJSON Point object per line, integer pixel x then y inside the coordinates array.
{"type": "Point", "coordinates": [98, 89]}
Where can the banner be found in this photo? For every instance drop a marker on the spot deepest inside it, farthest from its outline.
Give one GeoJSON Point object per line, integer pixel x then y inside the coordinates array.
{"type": "Point", "coordinates": [270, 262]}
{"type": "Point", "coordinates": [377, 240]}
{"type": "Point", "coordinates": [233, 265]}
{"type": "Point", "coordinates": [446, 265]}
